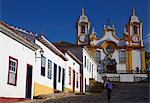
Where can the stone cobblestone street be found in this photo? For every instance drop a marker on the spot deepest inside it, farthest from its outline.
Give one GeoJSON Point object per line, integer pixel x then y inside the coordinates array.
{"type": "Point", "coordinates": [122, 93]}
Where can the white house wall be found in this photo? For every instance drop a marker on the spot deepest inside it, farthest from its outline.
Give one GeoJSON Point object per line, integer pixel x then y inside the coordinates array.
{"type": "Point", "coordinates": [96, 75]}
{"type": "Point", "coordinates": [136, 59]}
{"type": "Point", "coordinates": [1, 58]}
{"type": "Point", "coordinates": [87, 74]}
{"type": "Point", "coordinates": [10, 47]}
{"type": "Point", "coordinates": [74, 66]}
{"type": "Point", "coordinates": [55, 59]}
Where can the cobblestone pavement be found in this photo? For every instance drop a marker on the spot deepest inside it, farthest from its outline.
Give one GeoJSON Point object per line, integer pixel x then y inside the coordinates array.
{"type": "Point", "coordinates": [122, 93]}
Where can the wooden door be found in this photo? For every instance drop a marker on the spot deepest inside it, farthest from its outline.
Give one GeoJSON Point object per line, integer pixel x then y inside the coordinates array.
{"type": "Point", "coordinates": [73, 84]}
{"type": "Point", "coordinates": [55, 77]}
{"type": "Point", "coordinates": [29, 81]}
{"type": "Point", "coordinates": [63, 79]}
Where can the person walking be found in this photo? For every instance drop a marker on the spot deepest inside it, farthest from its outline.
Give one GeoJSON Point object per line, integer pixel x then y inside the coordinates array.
{"type": "Point", "coordinates": [109, 89]}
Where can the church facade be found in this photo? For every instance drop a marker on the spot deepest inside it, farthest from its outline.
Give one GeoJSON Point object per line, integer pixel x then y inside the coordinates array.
{"type": "Point", "coordinates": [113, 54]}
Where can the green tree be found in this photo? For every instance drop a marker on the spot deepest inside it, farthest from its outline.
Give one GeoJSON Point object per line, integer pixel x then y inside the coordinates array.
{"type": "Point", "coordinates": [147, 58]}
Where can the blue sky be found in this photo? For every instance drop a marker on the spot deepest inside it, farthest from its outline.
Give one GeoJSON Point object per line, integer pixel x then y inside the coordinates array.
{"type": "Point", "coordinates": [56, 19]}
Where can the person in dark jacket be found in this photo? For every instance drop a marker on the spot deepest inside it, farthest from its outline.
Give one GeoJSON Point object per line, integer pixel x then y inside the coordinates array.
{"type": "Point", "coordinates": [109, 89]}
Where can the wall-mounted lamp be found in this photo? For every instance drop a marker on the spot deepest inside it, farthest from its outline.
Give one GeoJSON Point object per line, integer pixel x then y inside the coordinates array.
{"type": "Point", "coordinates": [41, 51]}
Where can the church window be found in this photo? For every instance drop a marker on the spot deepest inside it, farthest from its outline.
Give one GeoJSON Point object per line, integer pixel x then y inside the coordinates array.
{"type": "Point", "coordinates": [83, 29]}
{"type": "Point", "coordinates": [122, 57]}
{"type": "Point", "coordinates": [86, 30]}
{"type": "Point", "coordinates": [97, 56]}
{"type": "Point", "coordinates": [135, 29]}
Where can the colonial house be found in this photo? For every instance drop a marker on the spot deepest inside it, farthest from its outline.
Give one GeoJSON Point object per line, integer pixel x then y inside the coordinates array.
{"type": "Point", "coordinates": [89, 65]}
{"type": "Point", "coordinates": [73, 82]}
{"type": "Point", "coordinates": [90, 68]}
{"type": "Point", "coordinates": [17, 65]}
{"type": "Point", "coordinates": [44, 64]}
{"type": "Point", "coordinates": [114, 54]}
{"type": "Point", "coordinates": [50, 64]}
{"type": "Point", "coordinates": [50, 68]}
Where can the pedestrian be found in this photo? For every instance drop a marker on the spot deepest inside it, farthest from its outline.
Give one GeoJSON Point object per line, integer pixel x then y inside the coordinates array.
{"type": "Point", "coordinates": [109, 89]}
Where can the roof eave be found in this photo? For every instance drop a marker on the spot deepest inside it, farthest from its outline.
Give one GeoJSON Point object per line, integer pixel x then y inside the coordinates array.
{"type": "Point", "coordinates": [74, 57]}
{"type": "Point", "coordinates": [5, 29]}
{"type": "Point", "coordinates": [43, 40]}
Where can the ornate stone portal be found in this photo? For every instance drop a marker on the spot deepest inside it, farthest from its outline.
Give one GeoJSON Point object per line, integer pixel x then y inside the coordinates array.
{"type": "Point", "coordinates": [109, 64]}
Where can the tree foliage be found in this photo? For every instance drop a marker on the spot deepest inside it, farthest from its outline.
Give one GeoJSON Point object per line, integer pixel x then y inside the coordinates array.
{"type": "Point", "coordinates": [147, 58]}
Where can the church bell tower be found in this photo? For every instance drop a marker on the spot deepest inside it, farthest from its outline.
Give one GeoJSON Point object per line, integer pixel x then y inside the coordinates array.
{"type": "Point", "coordinates": [135, 53]}
{"type": "Point", "coordinates": [134, 30]}
{"type": "Point", "coordinates": [83, 27]}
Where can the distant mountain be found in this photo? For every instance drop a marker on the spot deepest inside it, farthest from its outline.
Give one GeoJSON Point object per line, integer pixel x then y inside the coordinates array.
{"type": "Point", "coordinates": [146, 40]}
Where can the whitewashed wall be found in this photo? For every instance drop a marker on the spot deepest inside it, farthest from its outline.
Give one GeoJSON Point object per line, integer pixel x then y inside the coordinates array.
{"type": "Point", "coordinates": [102, 54]}
{"type": "Point", "coordinates": [10, 47]}
{"type": "Point", "coordinates": [131, 31]}
{"type": "Point", "coordinates": [136, 59]}
{"type": "Point", "coordinates": [108, 36]}
{"type": "Point", "coordinates": [126, 78]}
{"type": "Point", "coordinates": [1, 58]}
{"type": "Point", "coordinates": [121, 68]}
{"type": "Point", "coordinates": [99, 77]}
{"type": "Point", "coordinates": [48, 54]}
{"type": "Point", "coordinates": [95, 73]}
{"type": "Point", "coordinates": [74, 66]}
{"type": "Point", "coordinates": [86, 71]}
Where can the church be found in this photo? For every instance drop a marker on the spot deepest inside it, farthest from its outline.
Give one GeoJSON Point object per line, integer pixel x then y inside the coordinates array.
{"type": "Point", "coordinates": [114, 54]}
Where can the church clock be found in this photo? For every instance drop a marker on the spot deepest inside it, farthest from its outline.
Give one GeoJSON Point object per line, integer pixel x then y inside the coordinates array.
{"type": "Point", "coordinates": [135, 38]}
{"type": "Point", "coordinates": [82, 38]}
